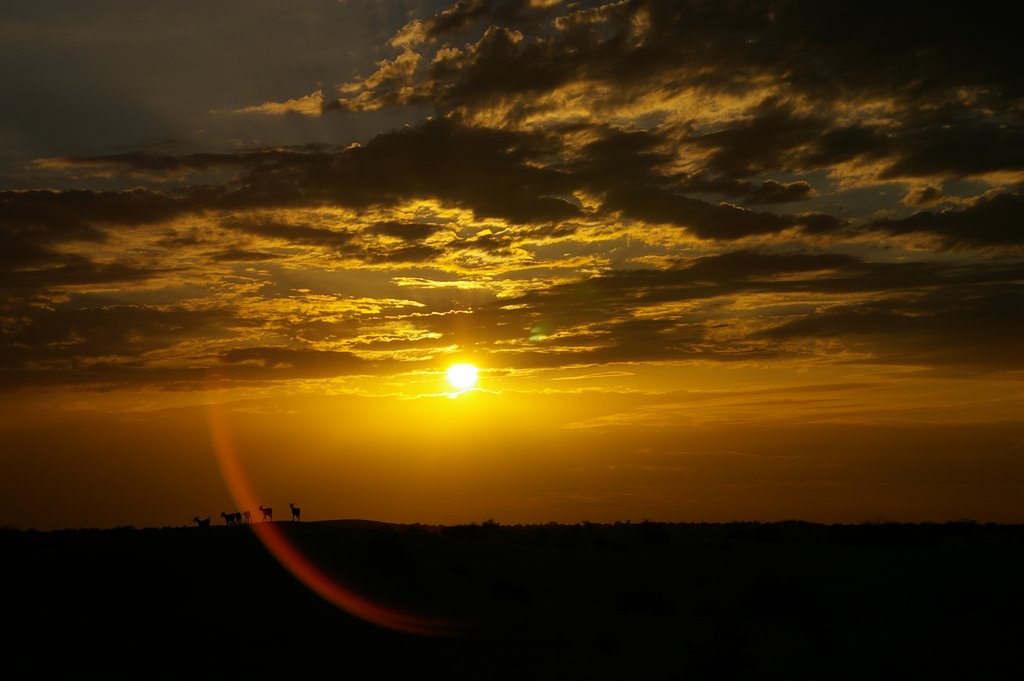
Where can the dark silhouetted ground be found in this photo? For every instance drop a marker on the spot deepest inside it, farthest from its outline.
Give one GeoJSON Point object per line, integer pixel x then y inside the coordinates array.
{"type": "Point", "coordinates": [648, 600]}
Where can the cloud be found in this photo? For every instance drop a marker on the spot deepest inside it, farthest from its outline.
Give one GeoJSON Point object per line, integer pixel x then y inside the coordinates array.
{"type": "Point", "coordinates": [307, 105]}
{"type": "Point", "coordinates": [38, 227]}
{"type": "Point", "coordinates": [148, 164]}
{"type": "Point", "coordinates": [990, 221]}
{"type": "Point", "coordinates": [965, 326]}
{"type": "Point", "coordinates": [959, 139]}
{"type": "Point", "coordinates": [486, 171]}
{"type": "Point", "coordinates": [390, 84]}
{"type": "Point", "coordinates": [897, 313]}
{"type": "Point", "coordinates": [72, 344]}
{"type": "Point", "coordinates": [56, 271]}
{"type": "Point", "coordinates": [519, 177]}
{"type": "Point", "coordinates": [407, 231]}
{"type": "Point", "coordinates": [829, 87]}
{"type": "Point", "coordinates": [722, 221]}
{"type": "Point", "coordinates": [292, 233]}
{"type": "Point", "coordinates": [80, 215]}
{"type": "Point", "coordinates": [240, 255]}
{"type": "Point", "coordinates": [822, 52]}
{"type": "Point", "coordinates": [596, 183]}
{"type": "Point", "coordinates": [266, 362]}
{"type": "Point", "coordinates": [771, 191]}
{"type": "Point", "coordinates": [773, 136]}
{"type": "Point", "coordinates": [463, 14]}
{"type": "Point", "coordinates": [923, 196]}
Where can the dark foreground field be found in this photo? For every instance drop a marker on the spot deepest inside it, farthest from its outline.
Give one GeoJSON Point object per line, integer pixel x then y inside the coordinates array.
{"type": "Point", "coordinates": [648, 600]}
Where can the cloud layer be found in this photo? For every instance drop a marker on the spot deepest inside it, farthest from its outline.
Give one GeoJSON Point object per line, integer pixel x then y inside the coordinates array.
{"type": "Point", "coordinates": [627, 182]}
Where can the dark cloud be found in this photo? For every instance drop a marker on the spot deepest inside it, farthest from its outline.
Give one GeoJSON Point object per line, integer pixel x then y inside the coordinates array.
{"type": "Point", "coordinates": [957, 140]}
{"type": "Point", "coordinates": [241, 255]}
{"type": "Point", "coordinates": [951, 82]}
{"type": "Point", "coordinates": [929, 314]}
{"type": "Point", "coordinates": [954, 141]}
{"type": "Point", "coordinates": [626, 167]}
{"type": "Point", "coordinates": [996, 220]}
{"type": "Point", "coordinates": [277, 362]}
{"type": "Point", "coordinates": [114, 344]}
{"type": "Point", "coordinates": [49, 216]}
{"type": "Point", "coordinates": [72, 343]}
{"type": "Point", "coordinates": [411, 254]}
{"type": "Point", "coordinates": [825, 51]}
{"type": "Point", "coordinates": [483, 170]}
{"type": "Point", "coordinates": [966, 326]}
{"type": "Point", "coordinates": [51, 271]}
{"type": "Point", "coordinates": [517, 176]}
{"type": "Point", "coordinates": [490, 172]}
{"type": "Point", "coordinates": [820, 96]}
{"type": "Point", "coordinates": [618, 156]}
{"type": "Point", "coordinates": [917, 50]}
{"type": "Point", "coordinates": [292, 233]}
{"type": "Point", "coordinates": [723, 221]}
{"type": "Point", "coordinates": [774, 137]}
{"type": "Point", "coordinates": [925, 317]}
{"type": "Point", "coordinates": [605, 316]}
{"type": "Point", "coordinates": [771, 191]}
{"type": "Point", "coordinates": [407, 231]}
{"type": "Point", "coordinates": [601, 319]}
{"type": "Point", "coordinates": [500, 243]}
{"type": "Point", "coordinates": [38, 226]}
{"type": "Point", "coordinates": [465, 13]}
{"type": "Point", "coordinates": [341, 243]}
{"type": "Point", "coordinates": [457, 16]}
{"type": "Point", "coordinates": [634, 168]}
{"type": "Point", "coordinates": [923, 196]}
{"type": "Point", "coordinates": [147, 163]}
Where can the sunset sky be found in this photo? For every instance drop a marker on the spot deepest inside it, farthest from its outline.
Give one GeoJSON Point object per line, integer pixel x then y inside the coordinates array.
{"type": "Point", "coordinates": [713, 260]}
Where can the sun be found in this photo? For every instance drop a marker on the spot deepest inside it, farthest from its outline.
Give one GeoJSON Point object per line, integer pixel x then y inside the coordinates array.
{"type": "Point", "coordinates": [462, 376]}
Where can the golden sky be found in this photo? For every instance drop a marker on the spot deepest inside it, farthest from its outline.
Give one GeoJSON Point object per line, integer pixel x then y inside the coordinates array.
{"type": "Point", "coordinates": [714, 261]}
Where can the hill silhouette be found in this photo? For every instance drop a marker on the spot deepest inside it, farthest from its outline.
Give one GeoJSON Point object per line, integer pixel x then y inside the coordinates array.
{"type": "Point", "coordinates": [637, 600]}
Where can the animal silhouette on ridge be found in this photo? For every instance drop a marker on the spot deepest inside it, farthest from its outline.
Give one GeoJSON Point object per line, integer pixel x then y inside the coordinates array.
{"type": "Point", "coordinates": [295, 511]}
{"type": "Point", "coordinates": [268, 513]}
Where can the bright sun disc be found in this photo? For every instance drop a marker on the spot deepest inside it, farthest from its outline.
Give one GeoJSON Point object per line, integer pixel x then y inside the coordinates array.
{"type": "Point", "coordinates": [462, 376]}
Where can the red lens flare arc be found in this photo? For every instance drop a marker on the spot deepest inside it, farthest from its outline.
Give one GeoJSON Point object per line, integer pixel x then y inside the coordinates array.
{"type": "Point", "coordinates": [291, 557]}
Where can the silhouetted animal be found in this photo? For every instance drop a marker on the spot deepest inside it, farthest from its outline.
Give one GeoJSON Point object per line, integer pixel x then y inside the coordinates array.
{"type": "Point", "coordinates": [201, 522]}
{"type": "Point", "coordinates": [247, 516]}
{"type": "Point", "coordinates": [230, 518]}
{"type": "Point", "coordinates": [295, 511]}
{"type": "Point", "coordinates": [268, 513]}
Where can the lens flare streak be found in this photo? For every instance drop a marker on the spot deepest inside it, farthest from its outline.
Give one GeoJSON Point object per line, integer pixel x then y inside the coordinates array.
{"type": "Point", "coordinates": [292, 558]}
